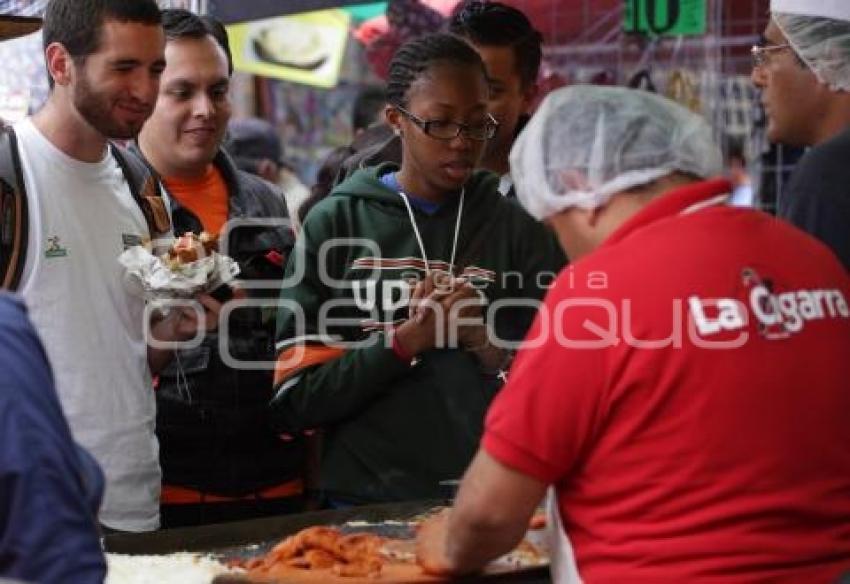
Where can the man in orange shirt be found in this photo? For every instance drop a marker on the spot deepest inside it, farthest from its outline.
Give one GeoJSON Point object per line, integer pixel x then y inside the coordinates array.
{"type": "Point", "coordinates": [220, 460]}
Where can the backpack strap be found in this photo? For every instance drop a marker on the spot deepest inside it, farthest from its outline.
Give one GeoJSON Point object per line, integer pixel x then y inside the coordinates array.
{"type": "Point", "coordinates": [14, 212]}
{"type": "Point", "coordinates": [146, 190]}
{"type": "Point", "coordinates": [14, 209]}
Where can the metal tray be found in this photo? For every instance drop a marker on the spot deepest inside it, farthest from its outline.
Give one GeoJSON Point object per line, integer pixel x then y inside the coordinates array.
{"type": "Point", "coordinates": [246, 539]}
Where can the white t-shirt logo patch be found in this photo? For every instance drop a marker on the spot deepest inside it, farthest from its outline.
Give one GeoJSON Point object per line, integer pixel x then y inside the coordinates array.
{"type": "Point", "coordinates": [54, 248]}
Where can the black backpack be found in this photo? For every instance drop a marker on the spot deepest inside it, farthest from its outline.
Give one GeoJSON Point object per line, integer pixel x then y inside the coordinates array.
{"type": "Point", "coordinates": [14, 210]}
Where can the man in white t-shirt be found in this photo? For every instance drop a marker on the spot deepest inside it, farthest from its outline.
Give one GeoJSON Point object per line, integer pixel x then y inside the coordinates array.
{"type": "Point", "coordinates": [104, 59]}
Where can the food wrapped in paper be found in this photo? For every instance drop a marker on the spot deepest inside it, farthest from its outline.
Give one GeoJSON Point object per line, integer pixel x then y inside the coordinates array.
{"type": "Point", "coordinates": [190, 267]}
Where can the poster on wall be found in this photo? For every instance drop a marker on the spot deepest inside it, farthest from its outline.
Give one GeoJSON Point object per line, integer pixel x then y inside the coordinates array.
{"type": "Point", "coordinates": [303, 48]}
{"type": "Point", "coordinates": [665, 17]}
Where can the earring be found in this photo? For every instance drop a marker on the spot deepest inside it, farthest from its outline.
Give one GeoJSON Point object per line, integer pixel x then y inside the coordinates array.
{"type": "Point", "coordinates": [397, 131]}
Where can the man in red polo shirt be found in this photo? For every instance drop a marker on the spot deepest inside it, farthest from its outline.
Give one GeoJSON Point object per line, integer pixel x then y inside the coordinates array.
{"type": "Point", "coordinates": [685, 386]}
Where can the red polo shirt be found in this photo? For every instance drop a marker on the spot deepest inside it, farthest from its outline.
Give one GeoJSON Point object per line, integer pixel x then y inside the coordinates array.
{"type": "Point", "coordinates": [691, 400]}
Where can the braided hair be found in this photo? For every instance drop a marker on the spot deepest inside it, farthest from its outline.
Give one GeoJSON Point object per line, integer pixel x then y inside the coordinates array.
{"type": "Point", "coordinates": [415, 57]}
{"type": "Point", "coordinates": [493, 24]}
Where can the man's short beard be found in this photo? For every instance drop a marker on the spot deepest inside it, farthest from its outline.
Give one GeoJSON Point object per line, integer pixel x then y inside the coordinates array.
{"type": "Point", "coordinates": [95, 109]}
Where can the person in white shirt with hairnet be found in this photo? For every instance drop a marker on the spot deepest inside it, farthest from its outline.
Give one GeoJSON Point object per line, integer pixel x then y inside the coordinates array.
{"type": "Point", "coordinates": [802, 67]}
{"type": "Point", "coordinates": [666, 395]}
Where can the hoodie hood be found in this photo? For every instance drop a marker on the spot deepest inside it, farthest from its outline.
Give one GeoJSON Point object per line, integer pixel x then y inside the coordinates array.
{"type": "Point", "coordinates": [366, 184]}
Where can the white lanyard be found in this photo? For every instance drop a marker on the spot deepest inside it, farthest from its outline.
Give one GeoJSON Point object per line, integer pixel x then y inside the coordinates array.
{"type": "Point", "coordinates": [406, 200]}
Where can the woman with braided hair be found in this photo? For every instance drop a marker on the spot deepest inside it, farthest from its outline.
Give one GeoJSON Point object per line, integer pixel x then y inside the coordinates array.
{"type": "Point", "coordinates": [396, 279]}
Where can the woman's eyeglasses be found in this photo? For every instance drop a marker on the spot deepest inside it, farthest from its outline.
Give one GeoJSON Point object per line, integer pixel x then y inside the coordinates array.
{"type": "Point", "coordinates": [443, 130]}
{"type": "Point", "coordinates": [761, 54]}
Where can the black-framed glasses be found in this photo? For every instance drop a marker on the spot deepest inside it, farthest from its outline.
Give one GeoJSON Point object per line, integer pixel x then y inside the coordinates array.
{"type": "Point", "coordinates": [761, 54]}
{"type": "Point", "coordinates": [445, 130]}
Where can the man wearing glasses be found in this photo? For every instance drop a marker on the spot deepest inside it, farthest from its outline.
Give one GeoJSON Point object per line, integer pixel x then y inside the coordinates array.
{"type": "Point", "coordinates": [803, 70]}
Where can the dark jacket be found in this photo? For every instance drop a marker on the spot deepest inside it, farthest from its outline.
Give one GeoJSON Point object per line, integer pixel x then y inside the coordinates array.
{"type": "Point", "coordinates": [212, 420]}
{"type": "Point", "coordinates": [50, 488]}
{"type": "Point", "coordinates": [376, 145]}
{"type": "Point", "coordinates": [393, 431]}
{"type": "Point", "coordinates": [817, 198]}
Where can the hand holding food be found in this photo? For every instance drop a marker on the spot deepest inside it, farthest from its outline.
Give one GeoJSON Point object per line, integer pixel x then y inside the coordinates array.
{"type": "Point", "coordinates": [431, 544]}
{"type": "Point", "coordinates": [191, 266]}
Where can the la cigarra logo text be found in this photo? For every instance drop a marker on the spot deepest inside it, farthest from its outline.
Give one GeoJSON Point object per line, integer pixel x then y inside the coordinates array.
{"type": "Point", "coordinates": [778, 315]}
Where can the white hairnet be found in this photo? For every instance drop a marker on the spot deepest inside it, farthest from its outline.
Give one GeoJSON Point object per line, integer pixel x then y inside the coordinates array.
{"type": "Point", "coordinates": [585, 143]}
{"type": "Point", "coordinates": [822, 43]}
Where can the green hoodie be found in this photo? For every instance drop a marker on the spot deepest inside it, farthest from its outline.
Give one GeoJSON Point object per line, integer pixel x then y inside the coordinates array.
{"type": "Point", "coordinates": [395, 430]}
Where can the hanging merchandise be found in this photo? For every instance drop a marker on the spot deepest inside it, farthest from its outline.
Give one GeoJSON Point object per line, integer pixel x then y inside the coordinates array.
{"type": "Point", "coordinates": [364, 12]}
{"type": "Point", "coordinates": [682, 89]}
{"type": "Point", "coordinates": [603, 77]}
{"type": "Point", "coordinates": [642, 80]}
{"type": "Point", "coordinates": [303, 48]}
{"type": "Point", "coordinates": [665, 17]}
{"type": "Point", "coordinates": [404, 20]}
{"type": "Point", "coordinates": [738, 105]}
